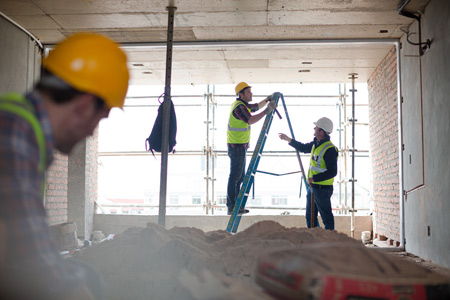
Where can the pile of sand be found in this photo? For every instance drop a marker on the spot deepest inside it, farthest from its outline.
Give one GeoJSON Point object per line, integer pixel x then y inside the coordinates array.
{"type": "Point", "coordinates": [187, 263]}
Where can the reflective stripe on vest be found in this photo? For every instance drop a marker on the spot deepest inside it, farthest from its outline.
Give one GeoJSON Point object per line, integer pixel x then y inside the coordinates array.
{"type": "Point", "coordinates": [19, 105]}
{"type": "Point", "coordinates": [317, 163]}
{"type": "Point", "coordinates": [238, 131]}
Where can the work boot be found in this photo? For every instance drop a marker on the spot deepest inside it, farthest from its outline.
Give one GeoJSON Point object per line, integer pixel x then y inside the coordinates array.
{"type": "Point", "coordinates": [241, 211]}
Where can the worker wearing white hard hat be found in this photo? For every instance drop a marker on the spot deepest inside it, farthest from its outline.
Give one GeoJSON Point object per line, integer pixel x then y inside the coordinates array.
{"type": "Point", "coordinates": [238, 137]}
{"type": "Point", "coordinates": [321, 173]}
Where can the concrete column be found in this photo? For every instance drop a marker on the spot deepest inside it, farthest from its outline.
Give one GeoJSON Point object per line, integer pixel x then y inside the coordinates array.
{"type": "Point", "coordinates": [82, 185]}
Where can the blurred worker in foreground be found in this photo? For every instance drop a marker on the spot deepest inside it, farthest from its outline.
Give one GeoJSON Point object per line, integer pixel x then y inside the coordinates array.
{"type": "Point", "coordinates": [321, 173]}
{"type": "Point", "coordinates": [83, 78]}
{"type": "Point", "coordinates": [238, 138]}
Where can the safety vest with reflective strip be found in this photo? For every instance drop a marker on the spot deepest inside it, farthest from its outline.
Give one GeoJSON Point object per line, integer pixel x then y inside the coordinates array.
{"type": "Point", "coordinates": [238, 131]}
{"type": "Point", "coordinates": [19, 105]}
{"type": "Point", "coordinates": [317, 163]}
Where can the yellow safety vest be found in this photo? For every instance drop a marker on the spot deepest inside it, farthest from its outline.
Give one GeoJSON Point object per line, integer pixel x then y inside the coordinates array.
{"type": "Point", "coordinates": [238, 131]}
{"type": "Point", "coordinates": [19, 105]}
{"type": "Point", "coordinates": [317, 163]}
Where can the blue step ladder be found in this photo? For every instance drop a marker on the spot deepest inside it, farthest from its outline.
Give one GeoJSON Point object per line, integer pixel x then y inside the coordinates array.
{"type": "Point", "coordinates": [249, 178]}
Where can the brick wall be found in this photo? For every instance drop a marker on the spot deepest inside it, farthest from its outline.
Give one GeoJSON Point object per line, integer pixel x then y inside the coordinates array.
{"type": "Point", "coordinates": [383, 118]}
{"type": "Point", "coordinates": [56, 196]}
{"type": "Point", "coordinates": [56, 190]}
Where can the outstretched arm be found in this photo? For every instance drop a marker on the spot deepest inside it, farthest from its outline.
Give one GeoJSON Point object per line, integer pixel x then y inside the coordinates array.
{"type": "Point", "coordinates": [284, 137]}
{"type": "Point", "coordinates": [305, 148]}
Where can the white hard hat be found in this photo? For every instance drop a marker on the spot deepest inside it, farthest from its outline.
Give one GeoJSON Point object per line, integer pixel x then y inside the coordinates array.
{"type": "Point", "coordinates": [325, 124]}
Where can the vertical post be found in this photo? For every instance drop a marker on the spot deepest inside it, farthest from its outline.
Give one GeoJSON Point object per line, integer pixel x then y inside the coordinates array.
{"type": "Point", "coordinates": [340, 147]}
{"type": "Point", "coordinates": [166, 120]}
{"type": "Point", "coordinates": [207, 150]}
{"type": "Point", "coordinates": [345, 151]}
{"type": "Point", "coordinates": [353, 90]}
{"type": "Point", "coordinates": [213, 153]}
{"type": "Point", "coordinates": [313, 203]}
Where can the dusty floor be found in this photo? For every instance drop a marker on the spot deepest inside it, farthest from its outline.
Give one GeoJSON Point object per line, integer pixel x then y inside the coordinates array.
{"type": "Point", "coordinates": [187, 263]}
{"type": "Point", "coordinates": [423, 263]}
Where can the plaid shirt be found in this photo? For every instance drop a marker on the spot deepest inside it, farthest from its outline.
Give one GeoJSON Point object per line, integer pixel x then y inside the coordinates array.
{"type": "Point", "coordinates": [32, 254]}
{"type": "Point", "coordinates": [241, 113]}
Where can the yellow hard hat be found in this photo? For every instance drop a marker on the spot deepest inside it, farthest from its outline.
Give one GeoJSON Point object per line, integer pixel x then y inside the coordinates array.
{"type": "Point", "coordinates": [240, 86]}
{"type": "Point", "coordinates": [91, 63]}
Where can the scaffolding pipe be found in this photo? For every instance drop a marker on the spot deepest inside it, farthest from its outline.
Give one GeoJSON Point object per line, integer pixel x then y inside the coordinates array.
{"type": "Point", "coordinates": [353, 90]}
{"type": "Point", "coordinates": [232, 96]}
{"type": "Point", "coordinates": [207, 150]}
{"type": "Point", "coordinates": [213, 155]}
{"type": "Point", "coordinates": [345, 153]}
{"type": "Point", "coordinates": [340, 143]}
{"type": "Point", "coordinates": [166, 120]}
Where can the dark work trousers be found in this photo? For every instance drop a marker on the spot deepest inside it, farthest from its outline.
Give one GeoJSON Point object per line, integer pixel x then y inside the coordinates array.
{"type": "Point", "coordinates": [322, 199]}
{"type": "Point", "coordinates": [237, 173]}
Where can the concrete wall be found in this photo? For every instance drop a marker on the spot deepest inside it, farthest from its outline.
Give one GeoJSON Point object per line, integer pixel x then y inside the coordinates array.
{"type": "Point", "coordinates": [384, 149]}
{"type": "Point", "coordinates": [19, 59]}
{"type": "Point", "coordinates": [119, 223]}
{"type": "Point", "coordinates": [82, 185]}
{"type": "Point", "coordinates": [425, 85]}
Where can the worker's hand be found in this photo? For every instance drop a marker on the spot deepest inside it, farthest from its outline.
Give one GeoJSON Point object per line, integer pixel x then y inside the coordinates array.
{"type": "Point", "coordinates": [269, 98]}
{"type": "Point", "coordinates": [282, 136]}
{"type": "Point", "coordinates": [270, 107]}
{"type": "Point", "coordinates": [310, 180]}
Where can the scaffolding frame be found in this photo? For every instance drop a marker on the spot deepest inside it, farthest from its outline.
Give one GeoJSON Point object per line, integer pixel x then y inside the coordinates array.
{"type": "Point", "coordinates": [211, 154]}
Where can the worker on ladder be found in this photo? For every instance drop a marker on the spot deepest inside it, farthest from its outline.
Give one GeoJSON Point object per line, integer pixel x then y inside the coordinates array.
{"type": "Point", "coordinates": [83, 77]}
{"type": "Point", "coordinates": [321, 173]}
{"type": "Point", "coordinates": [238, 137]}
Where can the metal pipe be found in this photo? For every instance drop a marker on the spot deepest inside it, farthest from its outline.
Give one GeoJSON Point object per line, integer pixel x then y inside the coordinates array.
{"type": "Point", "coordinates": [232, 96]}
{"type": "Point", "coordinates": [35, 39]}
{"type": "Point", "coordinates": [345, 152]}
{"type": "Point", "coordinates": [166, 120]}
{"type": "Point", "coordinates": [216, 153]}
{"type": "Point", "coordinates": [207, 149]}
{"type": "Point", "coordinates": [353, 90]}
{"type": "Point", "coordinates": [400, 150]}
{"type": "Point", "coordinates": [340, 145]}
{"type": "Point", "coordinates": [260, 43]}
{"type": "Point", "coordinates": [213, 155]}
{"type": "Point", "coordinates": [198, 105]}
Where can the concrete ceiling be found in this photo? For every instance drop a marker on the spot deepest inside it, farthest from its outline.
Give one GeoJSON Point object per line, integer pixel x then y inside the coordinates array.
{"type": "Point", "coordinates": [227, 41]}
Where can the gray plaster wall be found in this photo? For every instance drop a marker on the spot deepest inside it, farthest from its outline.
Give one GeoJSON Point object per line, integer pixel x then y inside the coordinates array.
{"type": "Point", "coordinates": [19, 59]}
{"type": "Point", "coordinates": [82, 185]}
{"type": "Point", "coordinates": [425, 86]}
